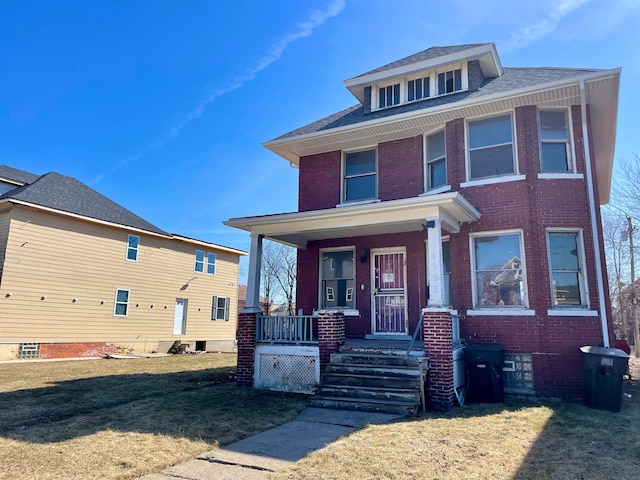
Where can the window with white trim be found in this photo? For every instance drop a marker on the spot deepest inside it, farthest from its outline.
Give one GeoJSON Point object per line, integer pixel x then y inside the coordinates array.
{"type": "Point", "coordinates": [360, 179]}
{"type": "Point", "coordinates": [220, 308]}
{"type": "Point", "coordinates": [121, 307]}
{"type": "Point", "coordinates": [133, 242]}
{"type": "Point", "coordinates": [418, 88]}
{"type": "Point", "coordinates": [450, 81]}
{"type": "Point", "coordinates": [211, 263]}
{"type": "Point", "coordinates": [389, 95]}
{"type": "Point", "coordinates": [337, 279]}
{"type": "Point", "coordinates": [490, 147]}
{"type": "Point", "coordinates": [555, 141]}
{"type": "Point", "coordinates": [199, 262]}
{"type": "Point", "coordinates": [436, 173]}
{"type": "Point", "coordinates": [498, 270]}
{"type": "Point", "coordinates": [566, 269]}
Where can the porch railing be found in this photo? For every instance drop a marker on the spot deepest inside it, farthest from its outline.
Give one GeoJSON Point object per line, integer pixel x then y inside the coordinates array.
{"type": "Point", "coordinates": [297, 329]}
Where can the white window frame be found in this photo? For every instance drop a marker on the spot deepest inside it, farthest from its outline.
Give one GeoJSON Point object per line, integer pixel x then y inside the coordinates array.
{"type": "Point", "coordinates": [582, 277]}
{"type": "Point", "coordinates": [397, 101]}
{"type": "Point", "coordinates": [464, 80]}
{"type": "Point", "coordinates": [343, 174]}
{"type": "Point", "coordinates": [426, 162]}
{"type": "Point", "coordinates": [515, 175]}
{"type": "Point", "coordinates": [504, 309]}
{"type": "Point", "coordinates": [200, 263]}
{"type": "Point", "coordinates": [211, 265]}
{"type": "Point", "coordinates": [126, 304]}
{"type": "Point", "coordinates": [569, 143]}
{"type": "Point", "coordinates": [132, 249]}
{"type": "Point", "coordinates": [216, 309]}
{"type": "Point", "coordinates": [321, 293]}
{"type": "Point", "coordinates": [425, 76]}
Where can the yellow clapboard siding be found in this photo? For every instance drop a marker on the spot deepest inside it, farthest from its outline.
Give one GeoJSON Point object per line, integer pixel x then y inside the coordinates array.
{"type": "Point", "coordinates": [67, 258]}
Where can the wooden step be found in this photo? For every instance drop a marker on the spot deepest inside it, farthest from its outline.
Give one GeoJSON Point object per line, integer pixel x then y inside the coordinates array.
{"type": "Point", "coordinates": [367, 393]}
{"type": "Point", "coordinates": [382, 370]}
{"type": "Point", "coordinates": [386, 406]}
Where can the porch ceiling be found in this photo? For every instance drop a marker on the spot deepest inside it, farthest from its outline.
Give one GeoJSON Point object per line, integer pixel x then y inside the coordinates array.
{"type": "Point", "coordinates": [379, 218]}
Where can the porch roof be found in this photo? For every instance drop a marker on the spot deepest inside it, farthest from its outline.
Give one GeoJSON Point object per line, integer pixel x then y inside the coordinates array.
{"type": "Point", "coordinates": [378, 218]}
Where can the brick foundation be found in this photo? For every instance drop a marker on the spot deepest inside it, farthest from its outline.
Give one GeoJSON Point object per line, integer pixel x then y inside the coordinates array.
{"type": "Point", "coordinates": [438, 346]}
{"type": "Point", "coordinates": [246, 337]}
{"type": "Point", "coordinates": [331, 335]}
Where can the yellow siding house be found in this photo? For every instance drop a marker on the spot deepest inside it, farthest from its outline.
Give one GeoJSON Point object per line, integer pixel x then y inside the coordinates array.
{"type": "Point", "coordinates": [82, 276]}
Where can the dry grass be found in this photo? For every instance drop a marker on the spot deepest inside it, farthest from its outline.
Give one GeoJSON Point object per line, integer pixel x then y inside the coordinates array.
{"type": "Point", "coordinates": [120, 419]}
{"type": "Point", "coordinates": [518, 441]}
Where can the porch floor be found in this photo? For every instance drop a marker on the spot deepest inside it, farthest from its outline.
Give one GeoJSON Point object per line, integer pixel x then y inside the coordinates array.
{"type": "Point", "coordinates": [386, 346]}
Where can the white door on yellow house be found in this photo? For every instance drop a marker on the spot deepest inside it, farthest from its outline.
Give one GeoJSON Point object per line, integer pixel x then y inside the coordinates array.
{"type": "Point", "coordinates": [180, 317]}
{"type": "Point", "coordinates": [389, 293]}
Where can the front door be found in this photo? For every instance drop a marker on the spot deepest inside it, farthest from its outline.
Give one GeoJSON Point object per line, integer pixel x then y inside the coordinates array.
{"type": "Point", "coordinates": [389, 294]}
{"type": "Point", "coordinates": [180, 317]}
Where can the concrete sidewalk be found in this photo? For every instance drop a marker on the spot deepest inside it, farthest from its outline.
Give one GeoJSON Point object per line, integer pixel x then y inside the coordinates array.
{"type": "Point", "coordinates": [256, 457]}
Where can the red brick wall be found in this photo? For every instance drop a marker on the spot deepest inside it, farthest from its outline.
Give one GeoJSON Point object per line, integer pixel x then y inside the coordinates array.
{"type": "Point", "coordinates": [438, 346]}
{"type": "Point", "coordinates": [246, 337]}
{"type": "Point", "coordinates": [331, 336]}
{"type": "Point", "coordinates": [400, 169]}
{"type": "Point", "coordinates": [319, 181]}
{"type": "Point", "coordinates": [79, 350]}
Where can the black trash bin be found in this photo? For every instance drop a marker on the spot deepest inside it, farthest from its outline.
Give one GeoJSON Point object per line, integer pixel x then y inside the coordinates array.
{"type": "Point", "coordinates": [485, 382]}
{"type": "Point", "coordinates": [603, 372]}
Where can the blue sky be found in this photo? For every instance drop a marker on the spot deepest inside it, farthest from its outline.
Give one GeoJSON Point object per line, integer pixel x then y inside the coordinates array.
{"type": "Point", "coordinates": [163, 105]}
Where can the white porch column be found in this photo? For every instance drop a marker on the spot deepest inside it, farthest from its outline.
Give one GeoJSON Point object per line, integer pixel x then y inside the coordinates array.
{"type": "Point", "coordinates": [435, 268]}
{"type": "Point", "coordinates": [253, 279]}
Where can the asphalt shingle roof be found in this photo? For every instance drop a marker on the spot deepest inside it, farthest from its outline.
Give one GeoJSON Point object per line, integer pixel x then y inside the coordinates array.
{"type": "Point", "coordinates": [19, 176]}
{"type": "Point", "coordinates": [513, 78]}
{"type": "Point", "coordinates": [67, 194]}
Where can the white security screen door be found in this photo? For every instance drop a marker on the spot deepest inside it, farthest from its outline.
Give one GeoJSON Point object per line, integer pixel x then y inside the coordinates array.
{"type": "Point", "coordinates": [180, 317]}
{"type": "Point", "coordinates": [389, 294]}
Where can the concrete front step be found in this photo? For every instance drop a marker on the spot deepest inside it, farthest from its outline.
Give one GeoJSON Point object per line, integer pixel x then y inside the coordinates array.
{"type": "Point", "coordinates": [370, 393]}
{"type": "Point", "coordinates": [345, 403]}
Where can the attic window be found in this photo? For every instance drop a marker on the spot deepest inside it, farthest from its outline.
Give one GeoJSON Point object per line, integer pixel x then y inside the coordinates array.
{"type": "Point", "coordinates": [389, 95]}
{"type": "Point", "coordinates": [450, 81]}
{"type": "Point", "coordinates": [417, 89]}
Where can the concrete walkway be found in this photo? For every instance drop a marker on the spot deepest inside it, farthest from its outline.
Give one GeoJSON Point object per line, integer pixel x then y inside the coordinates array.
{"type": "Point", "coordinates": [256, 457]}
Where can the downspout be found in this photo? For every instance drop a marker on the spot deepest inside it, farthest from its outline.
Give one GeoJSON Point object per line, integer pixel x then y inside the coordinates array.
{"type": "Point", "coordinates": [592, 209]}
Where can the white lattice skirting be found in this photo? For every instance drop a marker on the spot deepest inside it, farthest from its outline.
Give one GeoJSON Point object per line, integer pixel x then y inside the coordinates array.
{"type": "Point", "coordinates": [287, 368]}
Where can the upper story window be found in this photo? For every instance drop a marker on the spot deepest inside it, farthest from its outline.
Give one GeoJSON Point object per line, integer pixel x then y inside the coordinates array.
{"type": "Point", "coordinates": [498, 270]}
{"type": "Point", "coordinates": [418, 88]}
{"type": "Point", "coordinates": [337, 279]}
{"type": "Point", "coordinates": [567, 273]}
{"type": "Point", "coordinates": [436, 173]}
{"type": "Point", "coordinates": [490, 147]}
{"type": "Point", "coordinates": [450, 81]}
{"type": "Point", "coordinates": [199, 265]}
{"type": "Point", "coordinates": [133, 242]}
{"type": "Point", "coordinates": [555, 144]}
{"type": "Point", "coordinates": [211, 263]}
{"type": "Point", "coordinates": [389, 95]}
{"type": "Point", "coordinates": [359, 176]}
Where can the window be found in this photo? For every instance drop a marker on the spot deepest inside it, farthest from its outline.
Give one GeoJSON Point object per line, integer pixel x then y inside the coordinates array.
{"type": "Point", "coordinates": [122, 303]}
{"type": "Point", "coordinates": [360, 175]}
{"type": "Point", "coordinates": [498, 270]}
{"type": "Point", "coordinates": [211, 263]}
{"type": "Point", "coordinates": [337, 273]}
{"type": "Point", "coordinates": [199, 266]}
{"type": "Point", "coordinates": [491, 147]}
{"type": "Point", "coordinates": [418, 89]}
{"type": "Point", "coordinates": [449, 82]}
{"type": "Point", "coordinates": [436, 162]}
{"type": "Point", "coordinates": [389, 95]}
{"type": "Point", "coordinates": [565, 263]}
{"type": "Point", "coordinates": [555, 148]}
{"type": "Point", "coordinates": [133, 243]}
{"type": "Point", "coordinates": [220, 308]}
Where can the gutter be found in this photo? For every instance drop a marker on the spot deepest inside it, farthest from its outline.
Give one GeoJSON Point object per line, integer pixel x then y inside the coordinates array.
{"type": "Point", "coordinates": [594, 222]}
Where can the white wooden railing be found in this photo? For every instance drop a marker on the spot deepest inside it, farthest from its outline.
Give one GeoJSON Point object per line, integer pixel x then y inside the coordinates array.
{"type": "Point", "coordinates": [297, 329]}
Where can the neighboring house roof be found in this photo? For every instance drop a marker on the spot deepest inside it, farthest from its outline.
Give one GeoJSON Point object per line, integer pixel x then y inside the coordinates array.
{"type": "Point", "coordinates": [512, 79]}
{"type": "Point", "coordinates": [66, 194]}
{"type": "Point", "coordinates": [16, 176]}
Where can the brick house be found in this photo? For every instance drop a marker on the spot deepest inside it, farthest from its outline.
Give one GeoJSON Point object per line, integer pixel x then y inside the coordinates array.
{"type": "Point", "coordinates": [458, 187]}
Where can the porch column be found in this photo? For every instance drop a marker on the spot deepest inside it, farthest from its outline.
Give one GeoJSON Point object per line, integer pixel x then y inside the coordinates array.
{"type": "Point", "coordinates": [246, 338]}
{"type": "Point", "coordinates": [253, 279]}
{"type": "Point", "coordinates": [438, 347]}
{"type": "Point", "coordinates": [331, 334]}
{"type": "Point", "coordinates": [434, 263]}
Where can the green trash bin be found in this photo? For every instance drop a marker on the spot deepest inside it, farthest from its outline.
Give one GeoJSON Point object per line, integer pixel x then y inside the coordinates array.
{"type": "Point", "coordinates": [603, 372]}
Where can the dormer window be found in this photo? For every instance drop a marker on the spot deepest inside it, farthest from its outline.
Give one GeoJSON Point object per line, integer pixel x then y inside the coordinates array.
{"type": "Point", "coordinates": [389, 95]}
{"type": "Point", "coordinates": [449, 82]}
{"type": "Point", "coordinates": [418, 89]}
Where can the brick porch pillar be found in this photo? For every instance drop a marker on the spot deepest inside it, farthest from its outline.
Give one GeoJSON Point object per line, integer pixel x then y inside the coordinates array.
{"type": "Point", "coordinates": [330, 334]}
{"type": "Point", "coordinates": [438, 346]}
{"type": "Point", "coordinates": [246, 338]}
